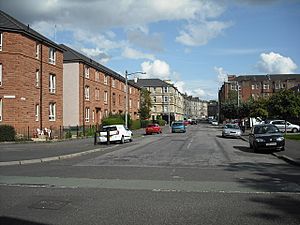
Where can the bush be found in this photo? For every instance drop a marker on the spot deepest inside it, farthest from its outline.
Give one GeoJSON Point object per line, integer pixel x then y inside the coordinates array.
{"type": "Point", "coordinates": [136, 124]}
{"type": "Point", "coordinates": [161, 122]}
{"type": "Point", "coordinates": [68, 134]}
{"type": "Point", "coordinates": [145, 123]}
{"type": "Point", "coordinates": [7, 133]}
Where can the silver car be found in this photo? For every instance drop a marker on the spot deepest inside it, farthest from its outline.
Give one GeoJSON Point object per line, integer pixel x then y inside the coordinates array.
{"type": "Point", "coordinates": [281, 126]}
{"type": "Point", "coordinates": [231, 130]}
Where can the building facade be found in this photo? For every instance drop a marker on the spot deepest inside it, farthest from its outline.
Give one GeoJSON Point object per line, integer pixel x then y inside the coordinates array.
{"type": "Point", "coordinates": [167, 101]}
{"type": "Point", "coordinates": [246, 87]}
{"type": "Point", "coordinates": [195, 108]}
{"type": "Point", "coordinates": [31, 78]}
{"type": "Point", "coordinates": [93, 91]}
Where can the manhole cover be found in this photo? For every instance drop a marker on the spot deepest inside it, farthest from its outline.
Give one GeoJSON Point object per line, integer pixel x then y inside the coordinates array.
{"type": "Point", "coordinates": [49, 204]}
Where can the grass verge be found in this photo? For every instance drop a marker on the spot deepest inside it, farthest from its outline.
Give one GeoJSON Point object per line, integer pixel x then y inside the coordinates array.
{"type": "Point", "coordinates": [293, 137]}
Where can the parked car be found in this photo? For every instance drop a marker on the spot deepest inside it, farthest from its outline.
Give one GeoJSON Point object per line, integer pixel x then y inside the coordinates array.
{"type": "Point", "coordinates": [281, 126]}
{"type": "Point", "coordinates": [178, 127]}
{"type": "Point", "coordinates": [214, 123]}
{"type": "Point", "coordinates": [266, 137]}
{"type": "Point", "coordinates": [186, 122]}
{"type": "Point", "coordinates": [153, 128]}
{"type": "Point", "coordinates": [231, 130]}
{"type": "Point", "coordinates": [117, 133]}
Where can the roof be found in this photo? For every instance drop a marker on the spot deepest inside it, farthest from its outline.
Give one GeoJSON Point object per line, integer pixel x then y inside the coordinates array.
{"type": "Point", "coordinates": [153, 83]}
{"type": "Point", "coordinates": [10, 24]}
{"type": "Point", "coordinates": [71, 55]}
{"type": "Point", "coordinates": [271, 77]}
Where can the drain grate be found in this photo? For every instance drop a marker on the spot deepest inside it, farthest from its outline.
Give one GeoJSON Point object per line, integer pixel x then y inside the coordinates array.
{"type": "Point", "coordinates": [49, 204]}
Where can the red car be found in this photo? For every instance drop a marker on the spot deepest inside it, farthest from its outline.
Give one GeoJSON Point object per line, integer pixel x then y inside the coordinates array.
{"type": "Point", "coordinates": [153, 128]}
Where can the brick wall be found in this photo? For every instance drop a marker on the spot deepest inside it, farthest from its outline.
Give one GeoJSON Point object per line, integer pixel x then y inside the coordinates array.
{"type": "Point", "coordinates": [19, 91]}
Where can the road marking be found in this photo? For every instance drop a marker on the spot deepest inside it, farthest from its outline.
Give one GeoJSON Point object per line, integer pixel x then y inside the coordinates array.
{"type": "Point", "coordinates": [189, 145]}
{"type": "Point", "coordinates": [150, 185]}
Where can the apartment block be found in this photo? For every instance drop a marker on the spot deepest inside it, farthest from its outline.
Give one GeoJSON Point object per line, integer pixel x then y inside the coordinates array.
{"type": "Point", "coordinates": [31, 78]}
{"type": "Point", "coordinates": [195, 108]}
{"type": "Point", "coordinates": [93, 91]}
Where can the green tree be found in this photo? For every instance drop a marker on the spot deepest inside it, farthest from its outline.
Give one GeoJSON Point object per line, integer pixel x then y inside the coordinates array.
{"type": "Point", "coordinates": [229, 110]}
{"type": "Point", "coordinates": [284, 104]}
{"type": "Point", "coordinates": [145, 106]}
{"type": "Point", "coordinates": [259, 108]}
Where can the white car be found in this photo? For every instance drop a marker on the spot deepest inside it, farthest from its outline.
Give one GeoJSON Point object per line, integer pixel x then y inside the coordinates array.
{"type": "Point", "coordinates": [117, 133]}
{"type": "Point", "coordinates": [281, 126]}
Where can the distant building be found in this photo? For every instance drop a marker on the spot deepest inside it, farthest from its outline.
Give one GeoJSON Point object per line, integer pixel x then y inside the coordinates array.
{"type": "Point", "coordinates": [93, 91]}
{"type": "Point", "coordinates": [256, 86]}
{"type": "Point", "coordinates": [167, 101]}
{"type": "Point", "coordinates": [195, 108]}
{"type": "Point", "coordinates": [213, 109]}
{"type": "Point", "coordinates": [31, 78]}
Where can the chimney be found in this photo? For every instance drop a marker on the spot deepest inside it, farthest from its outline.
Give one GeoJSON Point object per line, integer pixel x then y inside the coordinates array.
{"type": "Point", "coordinates": [135, 79]}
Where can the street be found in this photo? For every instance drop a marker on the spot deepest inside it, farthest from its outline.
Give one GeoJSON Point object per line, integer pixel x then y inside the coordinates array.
{"type": "Point", "coordinates": [196, 177]}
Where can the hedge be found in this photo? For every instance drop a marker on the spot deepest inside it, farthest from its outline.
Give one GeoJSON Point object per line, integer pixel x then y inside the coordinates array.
{"type": "Point", "coordinates": [7, 133]}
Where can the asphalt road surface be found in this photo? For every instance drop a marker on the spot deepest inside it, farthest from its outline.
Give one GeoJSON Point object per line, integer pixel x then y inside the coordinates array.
{"type": "Point", "coordinates": [196, 177]}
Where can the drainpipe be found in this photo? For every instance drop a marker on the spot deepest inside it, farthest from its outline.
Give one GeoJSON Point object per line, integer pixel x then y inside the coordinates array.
{"type": "Point", "coordinates": [41, 86]}
{"type": "Point", "coordinates": [83, 100]}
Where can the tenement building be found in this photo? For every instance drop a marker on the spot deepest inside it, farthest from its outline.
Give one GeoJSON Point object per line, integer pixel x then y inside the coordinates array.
{"type": "Point", "coordinates": [92, 91]}
{"type": "Point", "coordinates": [31, 78]}
{"type": "Point", "coordinates": [256, 86]}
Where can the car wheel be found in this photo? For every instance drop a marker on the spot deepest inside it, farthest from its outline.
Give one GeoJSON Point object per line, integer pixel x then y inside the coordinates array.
{"type": "Point", "coordinates": [130, 140]}
{"type": "Point", "coordinates": [122, 140]}
{"type": "Point", "coordinates": [294, 130]}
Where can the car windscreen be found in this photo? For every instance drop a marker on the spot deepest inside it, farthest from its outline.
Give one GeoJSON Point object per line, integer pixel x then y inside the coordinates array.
{"type": "Point", "coordinates": [109, 128]}
{"type": "Point", "coordinates": [231, 126]}
{"type": "Point", "coordinates": [177, 124]}
{"type": "Point", "coordinates": [265, 129]}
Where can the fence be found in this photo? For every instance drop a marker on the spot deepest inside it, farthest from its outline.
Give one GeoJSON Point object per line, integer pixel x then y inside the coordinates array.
{"type": "Point", "coordinates": [61, 132]}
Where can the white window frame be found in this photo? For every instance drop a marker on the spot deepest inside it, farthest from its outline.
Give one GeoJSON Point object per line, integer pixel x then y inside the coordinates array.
{"type": "Point", "coordinates": [93, 116]}
{"type": "Point", "coordinates": [105, 97]}
{"type": "Point", "coordinates": [1, 76]}
{"type": "Point", "coordinates": [87, 114]}
{"type": "Point", "coordinates": [52, 111]}
{"type": "Point", "coordinates": [1, 109]}
{"type": "Point", "coordinates": [266, 87]}
{"type": "Point", "coordinates": [37, 50]}
{"type": "Point", "coordinates": [37, 112]}
{"type": "Point", "coordinates": [87, 72]}
{"type": "Point", "coordinates": [154, 99]}
{"type": "Point", "coordinates": [37, 78]}
{"type": "Point", "coordinates": [155, 108]}
{"type": "Point", "coordinates": [166, 89]}
{"type": "Point", "coordinates": [97, 94]}
{"type": "Point", "coordinates": [97, 76]}
{"type": "Point", "coordinates": [87, 92]}
{"type": "Point", "coordinates": [52, 83]}
{"type": "Point", "coordinates": [130, 103]}
{"type": "Point", "coordinates": [105, 79]}
{"type": "Point", "coordinates": [52, 55]}
{"type": "Point", "coordinates": [166, 99]}
{"type": "Point", "coordinates": [252, 86]}
{"type": "Point", "coordinates": [130, 90]}
{"type": "Point", "coordinates": [166, 108]}
{"type": "Point", "coordinates": [113, 83]}
{"type": "Point", "coordinates": [1, 41]}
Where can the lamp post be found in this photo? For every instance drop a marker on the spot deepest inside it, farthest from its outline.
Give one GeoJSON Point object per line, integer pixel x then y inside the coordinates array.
{"type": "Point", "coordinates": [126, 93]}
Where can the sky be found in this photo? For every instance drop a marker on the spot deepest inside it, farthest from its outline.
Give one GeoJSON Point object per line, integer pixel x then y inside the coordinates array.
{"type": "Point", "coordinates": [194, 43]}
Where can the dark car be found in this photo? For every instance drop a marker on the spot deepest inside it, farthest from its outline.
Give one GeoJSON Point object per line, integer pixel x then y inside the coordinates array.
{"type": "Point", "coordinates": [153, 128]}
{"type": "Point", "coordinates": [266, 137]}
{"type": "Point", "coordinates": [178, 127]}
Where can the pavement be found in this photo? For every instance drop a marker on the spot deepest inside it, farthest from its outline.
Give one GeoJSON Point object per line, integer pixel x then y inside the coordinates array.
{"type": "Point", "coordinates": [37, 152]}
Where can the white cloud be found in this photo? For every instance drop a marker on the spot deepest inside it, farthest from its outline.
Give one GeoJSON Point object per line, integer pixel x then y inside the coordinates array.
{"type": "Point", "coordinates": [96, 54]}
{"type": "Point", "coordinates": [180, 86]}
{"type": "Point", "coordinates": [135, 54]}
{"type": "Point", "coordinates": [276, 63]}
{"type": "Point", "coordinates": [196, 34]}
{"type": "Point", "coordinates": [222, 74]}
{"type": "Point", "coordinates": [156, 69]}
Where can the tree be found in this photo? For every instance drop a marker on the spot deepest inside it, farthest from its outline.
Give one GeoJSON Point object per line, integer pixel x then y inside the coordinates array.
{"type": "Point", "coordinates": [285, 104]}
{"type": "Point", "coordinates": [259, 108]}
{"type": "Point", "coordinates": [145, 106]}
{"type": "Point", "coordinates": [229, 110]}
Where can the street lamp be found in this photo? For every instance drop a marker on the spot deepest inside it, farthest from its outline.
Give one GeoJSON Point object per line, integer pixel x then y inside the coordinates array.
{"type": "Point", "coordinates": [126, 93]}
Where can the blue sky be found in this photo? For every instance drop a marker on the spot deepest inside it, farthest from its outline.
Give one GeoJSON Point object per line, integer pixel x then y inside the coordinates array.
{"type": "Point", "coordinates": [194, 43]}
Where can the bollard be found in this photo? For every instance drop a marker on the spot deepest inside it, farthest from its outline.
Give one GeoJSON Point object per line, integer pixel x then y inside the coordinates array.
{"type": "Point", "coordinates": [95, 138]}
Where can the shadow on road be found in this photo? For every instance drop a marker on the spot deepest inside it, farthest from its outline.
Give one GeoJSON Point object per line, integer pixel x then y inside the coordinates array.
{"type": "Point", "coordinates": [14, 221]}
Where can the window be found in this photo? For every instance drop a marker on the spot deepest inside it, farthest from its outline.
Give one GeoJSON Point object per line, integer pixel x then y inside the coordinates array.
{"type": "Point", "coordinates": [166, 89]}
{"type": "Point", "coordinates": [37, 50]}
{"type": "Point", "coordinates": [37, 78]}
{"type": "Point", "coordinates": [266, 87]}
{"type": "Point", "coordinates": [130, 90]}
{"type": "Point", "coordinates": [105, 97]}
{"type": "Point", "coordinates": [1, 41]}
{"type": "Point", "coordinates": [93, 116]}
{"type": "Point", "coordinates": [52, 55]}
{"type": "Point", "coordinates": [138, 104]}
{"type": "Point", "coordinates": [97, 76]}
{"type": "Point", "coordinates": [154, 108]}
{"type": "Point", "coordinates": [154, 98]}
{"type": "Point", "coordinates": [105, 79]}
{"type": "Point", "coordinates": [87, 72]}
{"type": "Point", "coordinates": [0, 75]}
{"type": "Point", "coordinates": [52, 111]}
{"type": "Point", "coordinates": [154, 89]}
{"type": "Point", "coordinates": [37, 112]}
{"type": "Point", "coordinates": [87, 93]}
{"type": "Point", "coordinates": [114, 99]}
{"type": "Point", "coordinates": [1, 108]}
{"type": "Point", "coordinates": [253, 86]}
{"type": "Point", "coordinates": [124, 88]}
{"type": "Point", "coordinates": [166, 109]}
{"type": "Point", "coordinates": [97, 94]}
{"type": "Point", "coordinates": [113, 83]}
{"type": "Point", "coordinates": [52, 83]}
{"type": "Point", "coordinates": [166, 99]}
{"type": "Point", "coordinates": [257, 86]}
{"type": "Point", "coordinates": [87, 114]}
{"type": "Point", "coordinates": [130, 103]}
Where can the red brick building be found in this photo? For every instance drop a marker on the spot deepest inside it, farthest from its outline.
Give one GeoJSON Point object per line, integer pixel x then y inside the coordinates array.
{"type": "Point", "coordinates": [31, 78]}
{"type": "Point", "coordinates": [93, 91]}
{"type": "Point", "coordinates": [257, 86]}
